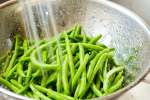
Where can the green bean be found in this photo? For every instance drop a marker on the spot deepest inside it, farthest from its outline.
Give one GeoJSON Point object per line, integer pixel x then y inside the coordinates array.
{"type": "Point", "coordinates": [42, 96]}
{"type": "Point", "coordinates": [25, 59]}
{"type": "Point", "coordinates": [29, 94]}
{"type": "Point", "coordinates": [23, 89]}
{"type": "Point", "coordinates": [67, 67]}
{"type": "Point", "coordinates": [94, 61]}
{"type": "Point", "coordinates": [94, 40]}
{"type": "Point", "coordinates": [74, 48]}
{"type": "Point", "coordinates": [89, 95]}
{"type": "Point", "coordinates": [102, 45]}
{"type": "Point", "coordinates": [92, 55]}
{"type": "Point", "coordinates": [109, 74]}
{"type": "Point", "coordinates": [8, 84]}
{"type": "Point", "coordinates": [53, 94]}
{"type": "Point", "coordinates": [44, 80]}
{"type": "Point", "coordinates": [77, 30]}
{"type": "Point", "coordinates": [51, 78]}
{"type": "Point", "coordinates": [77, 64]}
{"type": "Point", "coordinates": [83, 83]}
{"type": "Point", "coordinates": [98, 83]}
{"type": "Point", "coordinates": [73, 32]}
{"type": "Point", "coordinates": [76, 95]}
{"type": "Point", "coordinates": [79, 71]}
{"type": "Point", "coordinates": [118, 77]}
{"type": "Point", "coordinates": [97, 67]}
{"type": "Point", "coordinates": [83, 79]}
{"type": "Point", "coordinates": [12, 61]}
{"type": "Point", "coordinates": [15, 83]}
{"type": "Point", "coordinates": [99, 64]}
{"type": "Point", "coordinates": [84, 38]}
{"type": "Point", "coordinates": [7, 62]}
{"type": "Point", "coordinates": [70, 58]}
{"type": "Point", "coordinates": [40, 64]}
{"type": "Point", "coordinates": [95, 90]}
{"type": "Point", "coordinates": [20, 79]}
{"type": "Point", "coordinates": [65, 77]}
{"type": "Point", "coordinates": [37, 73]}
{"type": "Point", "coordinates": [59, 79]}
{"type": "Point", "coordinates": [91, 66]}
{"type": "Point", "coordinates": [91, 46]}
{"type": "Point", "coordinates": [20, 70]}
{"type": "Point", "coordinates": [44, 56]}
{"type": "Point", "coordinates": [9, 74]}
{"type": "Point", "coordinates": [25, 45]}
{"type": "Point", "coordinates": [76, 58]}
{"type": "Point", "coordinates": [29, 73]}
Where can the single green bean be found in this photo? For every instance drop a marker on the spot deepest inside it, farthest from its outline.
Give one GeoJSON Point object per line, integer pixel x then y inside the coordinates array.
{"type": "Point", "coordinates": [44, 56]}
{"type": "Point", "coordinates": [76, 95]}
{"type": "Point", "coordinates": [20, 70]}
{"type": "Point", "coordinates": [77, 30]}
{"type": "Point", "coordinates": [65, 77]}
{"type": "Point", "coordinates": [20, 79]}
{"type": "Point", "coordinates": [83, 83]}
{"type": "Point", "coordinates": [29, 73]}
{"type": "Point", "coordinates": [59, 78]}
{"type": "Point", "coordinates": [53, 94]}
{"type": "Point", "coordinates": [91, 46]}
{"type": "Point", "coordinates": [94, 40]}
{"type": "Point", "coordinates": [73, 31]}
{"type": "Point", "coordinates": [25, 45]}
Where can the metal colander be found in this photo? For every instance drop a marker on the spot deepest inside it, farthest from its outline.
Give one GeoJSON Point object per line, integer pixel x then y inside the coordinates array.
{"type": "Point", "coordinates": [120, 28]}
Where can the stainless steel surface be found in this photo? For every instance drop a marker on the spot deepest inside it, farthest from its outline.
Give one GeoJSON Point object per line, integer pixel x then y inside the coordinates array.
{"type": "Point", "coordinates": [141, 7]}
{"type": "Point", "coordinates": [121, 29]}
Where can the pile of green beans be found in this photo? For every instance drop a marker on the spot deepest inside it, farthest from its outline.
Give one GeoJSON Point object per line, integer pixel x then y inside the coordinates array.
{"type": "Point", "coordinates": [65, 67]}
